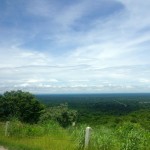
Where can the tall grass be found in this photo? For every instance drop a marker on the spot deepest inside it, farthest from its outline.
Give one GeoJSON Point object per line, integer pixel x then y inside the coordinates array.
{"type": "Point", "coordinates": [50, 136]}
{"type": "Point", "coordinates": [128, 136]}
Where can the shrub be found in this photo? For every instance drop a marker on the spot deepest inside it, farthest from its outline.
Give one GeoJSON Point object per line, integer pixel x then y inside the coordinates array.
{"type": "Point", "coordinates": [20, 105]}
{"type": "Point", "coordinates": [62, 114]}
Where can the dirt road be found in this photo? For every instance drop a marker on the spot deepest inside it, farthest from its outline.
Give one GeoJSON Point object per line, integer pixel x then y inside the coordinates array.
{"type": "Point", "coordinates": [2, 148]}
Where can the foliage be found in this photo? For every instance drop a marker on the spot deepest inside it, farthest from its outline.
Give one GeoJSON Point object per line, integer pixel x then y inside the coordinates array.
{"type": "Point", "coordinates": [46, 136]}
{"type": "Point", "coordinates": [21, 105]}
{"type": "Point", "coordinates": [106, 109]}
{"type": "Point", "coordinates": [118, 123]}
{"type": "Point", "coordinates": [19, 129]}
{"type": "Point", "coordinates": [62, 114]}
{"type": "Point", "coordinates": [50, 136]}
{"type": "Point", "coordinates": [133, 137]}
{"type": "Point", "coordinates": [127, 136]}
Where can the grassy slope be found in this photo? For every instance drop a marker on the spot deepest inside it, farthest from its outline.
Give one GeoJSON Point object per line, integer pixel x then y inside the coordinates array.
{"type": "Point", "coordinates": [128, 136]}
{"type": "Point", "coordinates": [32, 137]}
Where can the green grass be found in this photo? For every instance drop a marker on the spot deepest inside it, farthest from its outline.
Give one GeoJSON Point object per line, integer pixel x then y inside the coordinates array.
{"type": "Point", "coordinates": [42, 143]}
{"type": "Point", "coordinates": [47, 136]}
{"type": "Point", "coordinates": [127, 136]}
{"type": "Point", "coordinates": [50, 136]}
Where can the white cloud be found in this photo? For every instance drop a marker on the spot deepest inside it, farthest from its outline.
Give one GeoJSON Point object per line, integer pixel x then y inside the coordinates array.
{"type": "Point", "coordinates": [15, 57]}
{"type": "Point", "coordinates": [145, 81]}
{"type": "Point", "coordinates": [109, 54]}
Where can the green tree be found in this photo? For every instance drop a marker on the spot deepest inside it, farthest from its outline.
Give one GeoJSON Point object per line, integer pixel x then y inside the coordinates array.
{"type": "Point", "coordinates": [62, 114]}
{"type": "Point", "coordinates": [20, 105]}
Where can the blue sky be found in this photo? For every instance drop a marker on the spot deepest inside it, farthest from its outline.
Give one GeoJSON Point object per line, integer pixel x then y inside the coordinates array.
{"type": "Point", "coordinates": [80, 46]}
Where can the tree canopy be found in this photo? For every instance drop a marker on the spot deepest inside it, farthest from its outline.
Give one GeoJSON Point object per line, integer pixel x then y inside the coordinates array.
{"type": "Point", "coordinates": [21, 105]}
{"type": "Point", "coordinates": [61, 114]}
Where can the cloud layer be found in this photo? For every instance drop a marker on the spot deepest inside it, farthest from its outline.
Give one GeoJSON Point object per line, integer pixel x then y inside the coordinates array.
{"type": "Point", "coordinates": [75, 47]}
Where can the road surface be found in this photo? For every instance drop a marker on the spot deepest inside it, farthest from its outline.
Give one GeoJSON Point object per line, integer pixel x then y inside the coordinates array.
{"type": "Point", "coordinates": [2, 148]}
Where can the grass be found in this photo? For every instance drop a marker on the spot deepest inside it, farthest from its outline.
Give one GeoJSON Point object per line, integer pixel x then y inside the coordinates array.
{"type": "Point", "coordinates": [127, 136]}
{"type": "Point", "coordinates": [50, 136]}
{"type": "Point", "coordinates": [42, 143]}
{"type": "Point", "coordinates": [47, 136]}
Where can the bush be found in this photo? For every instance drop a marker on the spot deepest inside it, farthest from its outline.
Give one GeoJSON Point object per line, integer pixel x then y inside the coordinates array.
{"type": "Point", "coordinates": [133, 137]}
{"type": "Point", "coordinates": [20, 105]}
{"type": "Point", "coordinates": [62, 114]}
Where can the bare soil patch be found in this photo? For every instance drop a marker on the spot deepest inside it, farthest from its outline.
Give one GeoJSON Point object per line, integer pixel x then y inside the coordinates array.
{"type": "Point", "coordinates": [2, 148]}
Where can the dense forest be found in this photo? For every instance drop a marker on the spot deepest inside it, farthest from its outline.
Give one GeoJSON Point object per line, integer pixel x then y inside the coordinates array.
{"type": "Point", "coordinates": [108, 109]}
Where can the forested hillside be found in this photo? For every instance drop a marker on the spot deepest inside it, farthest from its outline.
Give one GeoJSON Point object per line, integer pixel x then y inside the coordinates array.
{"type": "Point", "coordinates": [108, 109]}
{"type": "Point", "coordinates": [58, 122]}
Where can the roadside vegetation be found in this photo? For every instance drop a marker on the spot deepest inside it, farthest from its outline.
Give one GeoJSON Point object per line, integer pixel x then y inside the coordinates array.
{"type": "Point", "coordinates": [34, 126]}
{"type": "Point", "coordinates": [48, 136]}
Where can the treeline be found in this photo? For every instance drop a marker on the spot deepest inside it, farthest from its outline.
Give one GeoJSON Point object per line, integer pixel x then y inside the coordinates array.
{"type": "Point", "coordinates": [111, 110]}
{"type": "Point", "coordinates": [93, 110]}
{"type": "Point", "coordinates": [117, 122]}
{"type": "Point", "coordinates": [25, 107]}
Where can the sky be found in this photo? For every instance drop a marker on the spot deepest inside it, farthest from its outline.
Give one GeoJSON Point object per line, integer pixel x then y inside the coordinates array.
{"type": "Point", "coordinates": [79, 46]}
